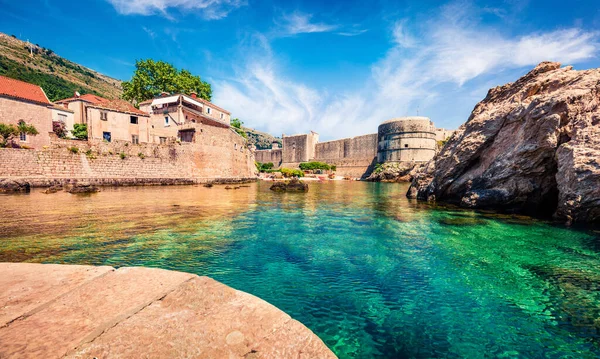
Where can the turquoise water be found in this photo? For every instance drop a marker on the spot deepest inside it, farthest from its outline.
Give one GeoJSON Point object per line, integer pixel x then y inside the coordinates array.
{"type": "Point", "coordinates": [373, 274]}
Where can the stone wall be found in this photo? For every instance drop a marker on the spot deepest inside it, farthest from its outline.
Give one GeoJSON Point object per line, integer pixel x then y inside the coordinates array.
{"type": "Point", "coordinates": [299, 148]}
{"type": "Point", "coordinates": [353, 157]}
{"type": "Point", "coordinates": [12, 111]}
{"type": "Point", "coordinates": [265, 156]}
{"type": "Point", "coordinates": [406, 139]}
{"type": "Point", "coordinates": [220, 154]}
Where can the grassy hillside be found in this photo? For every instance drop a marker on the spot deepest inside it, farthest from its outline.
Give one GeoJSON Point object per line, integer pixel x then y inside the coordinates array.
{"type": "Point", "coordinates": [59, 77]}
{"type": "Point", "coordinates": [261, 140]}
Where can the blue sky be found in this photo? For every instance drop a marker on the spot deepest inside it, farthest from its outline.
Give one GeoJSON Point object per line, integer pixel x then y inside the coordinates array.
{"type": "Point", "coordinates": [338, 68]}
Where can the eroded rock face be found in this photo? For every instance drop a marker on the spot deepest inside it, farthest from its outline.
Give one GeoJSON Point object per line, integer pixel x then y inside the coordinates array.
{"type": "Point", "coordinates": [532, 146]}
{"type": "Point", "coordinates": [12, 186]}
{"type": "Point", "coordinates": [83, 187]}
{"type": "Point", "coordinates": [394, 172]}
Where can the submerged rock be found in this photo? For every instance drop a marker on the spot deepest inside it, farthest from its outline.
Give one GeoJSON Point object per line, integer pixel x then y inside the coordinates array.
{"type": "Point", "coordinates": [532, 146]}
{"type": "Point", "coordinates": [83, 187]}
{"type": "Point", "coordinates": [13, 186]}
{"type": "Point", "coordinates": [208, 185]}
{"type": "Point", "coordinates": [294, 185]}
{"type": "Point", "coordinates": [53, 189]}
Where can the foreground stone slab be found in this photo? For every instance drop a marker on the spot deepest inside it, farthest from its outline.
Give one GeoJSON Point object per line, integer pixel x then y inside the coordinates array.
{"type": "Point", "coordinates": [150, 313]}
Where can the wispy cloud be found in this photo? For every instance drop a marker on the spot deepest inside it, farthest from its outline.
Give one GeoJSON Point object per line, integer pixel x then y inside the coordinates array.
{"type": "Point", "coordinates": [300, 23]}
{"type": "Point", "coordinates": [352, 32]}
{"type": "Point", "coordinates": [150, 32]}
{"type": "Point", "coordinates": [453, 57]}
{"type": "Point", "coordinates": [208, 9]}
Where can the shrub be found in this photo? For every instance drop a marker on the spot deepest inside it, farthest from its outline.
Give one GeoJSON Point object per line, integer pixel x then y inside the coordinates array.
{"type": "Point", "coordinates": [310, 166]}
{"type": "Point", "coordinates": [73, 149]}
{"type": "Point", "coordinates": [263, 167]}
{"type": "Point", "coordinates": [334, 168]}
{"type": "Point", "coordinates": [90, 154]}
{"type": "Point", "coordinates": [9, 132]}
{"type": "Point", "coordinates": [122, 155]}
{"type": "Point", "coordinates": [60, 129]}
{"type": "Point", "coordinates": [80, 131]}
{"type": "Point", "coordinates": [288, 172]}
{"type": "Point", "coordinates": [141, 155]}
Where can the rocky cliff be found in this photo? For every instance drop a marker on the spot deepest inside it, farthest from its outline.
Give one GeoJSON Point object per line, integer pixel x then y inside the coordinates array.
{"type": "Point", "coordinates": [532, 146]}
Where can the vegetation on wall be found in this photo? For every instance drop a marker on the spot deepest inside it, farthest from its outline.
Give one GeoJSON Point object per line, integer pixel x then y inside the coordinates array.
{"type": "Point", "coordinates": [9, 132]}
{"type": "Point", "coordinates": [80, 131]}
{"type": "Point", "coordinates": [60, 129]}
{"type": "Point", "coordinates": [150, 78]}
{"type": "Point", "coordinates": [236, 124]}
{"type": "Point", "coordinates": [315, 165]}
{"type": "Point", "coordinates": [264, 167]}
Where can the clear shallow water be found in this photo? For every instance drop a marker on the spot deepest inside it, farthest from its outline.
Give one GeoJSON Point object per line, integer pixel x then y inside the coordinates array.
{"type": "Point", "coordinates": [371, 273]}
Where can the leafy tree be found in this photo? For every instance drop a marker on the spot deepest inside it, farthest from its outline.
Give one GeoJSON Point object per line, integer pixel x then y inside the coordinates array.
{"type": "Point", "coordinates": [9, 132]}
{"type": "Point", "coordinates": [150, 78]}
{"type": "Point", "coordinates": [289, 172]}
{"type": "Point", "coordinates": [308, 166]}
{"type": "Point", "coordinates": [80, 131]}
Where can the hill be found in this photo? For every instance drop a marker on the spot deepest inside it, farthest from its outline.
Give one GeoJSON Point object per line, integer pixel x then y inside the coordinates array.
{"type": "Point", "coordinates": [59, 77]}
{"type": "Point", "coordinates": [262, 140]}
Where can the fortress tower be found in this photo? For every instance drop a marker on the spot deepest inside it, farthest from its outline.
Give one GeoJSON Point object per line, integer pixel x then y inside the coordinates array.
{"type": "Point", "coordinates": [406, 139]}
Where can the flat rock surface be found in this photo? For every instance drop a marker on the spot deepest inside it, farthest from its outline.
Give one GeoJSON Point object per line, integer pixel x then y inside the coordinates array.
{"type": "Point", "coordinates": [54, 311]}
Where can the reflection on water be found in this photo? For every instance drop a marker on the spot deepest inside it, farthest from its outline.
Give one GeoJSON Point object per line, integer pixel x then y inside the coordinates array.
{"type": "Point", "coordinates": [372, 273]}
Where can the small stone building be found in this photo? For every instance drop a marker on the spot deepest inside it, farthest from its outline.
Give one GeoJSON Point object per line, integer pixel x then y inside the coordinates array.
{"type": "Point", "coordinates": [406, 139]}
{"type": "Point", "coordinates": [27, 103]}
{"type": "Point", "coordinates": [299, 148]}
{"type": "Point", "coordinates": [109, 119]}
{"type": "Point", "coordinates": [182, 117]}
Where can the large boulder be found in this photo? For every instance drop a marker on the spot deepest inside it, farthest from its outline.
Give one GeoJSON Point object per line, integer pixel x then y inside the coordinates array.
{"type": "Point", "coordinates": [394, 172]}
{"type": "Point", "coordinates": [532, 146]}
{"type": "Point", "coordinates": [14, 186]}
{"type": "Point", "coordinates": [294, 185]}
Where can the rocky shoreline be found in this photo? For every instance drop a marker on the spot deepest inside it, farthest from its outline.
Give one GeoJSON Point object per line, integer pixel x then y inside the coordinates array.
{"type": "Point", "coordinates": [15, 185]}
{"type": "Point", "coordinates": [530, 147]}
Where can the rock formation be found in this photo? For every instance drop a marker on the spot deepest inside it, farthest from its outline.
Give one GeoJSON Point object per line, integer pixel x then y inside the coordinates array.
{"type": "Point", "coordinates": [394, 172]}
{"type": "Point", "coordinates": [295, 185]}
{"type": "Point", "coordinates": [16, 185]}
{"type": "Point", "coordinates": [83, 187]}
{"type": "Point", "coordinates": [532, 146]}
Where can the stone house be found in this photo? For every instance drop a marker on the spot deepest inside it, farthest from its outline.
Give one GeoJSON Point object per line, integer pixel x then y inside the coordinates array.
{"type": "Point", "coordinates": [181, 117]}
{"type": "Point", "coordinates": [64, 115]}
{"type": "Point", "coordinates": [24, 102]}
{"type": "Point", "coordinates": [109, 119]}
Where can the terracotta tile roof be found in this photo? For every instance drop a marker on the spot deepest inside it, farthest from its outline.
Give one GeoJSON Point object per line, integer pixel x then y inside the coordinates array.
{"type": "Point", "coordinates": [22, 90]}
{"type": "Point", "coordinates": [60, 108]}
{"type": "Point", "coordinates": [101, 102]}
{"type": "Point", "coordinates": [146, 102]}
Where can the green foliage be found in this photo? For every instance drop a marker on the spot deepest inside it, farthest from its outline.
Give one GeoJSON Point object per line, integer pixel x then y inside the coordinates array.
{"type": "Point", "coordinates": [122, 155]}
{"type": "Point", "coordinates": [288, 172]}
{"type": "Point", "coordinates": [89, 154]}
{"type": "Point", "coordinates": [73, 149]}
{"type": "Point", "coordinates": [55, 87]}
{"type": "Point", "coordinates": [378, 168]}
{"type": "Point", "coordinates": [141, 155]}
{"type": "Point", "coordinates": [311, 166]}
{"type": "Point", "coordinates": [9, 132]}
{"type": "Point", "coordinates": [334, 168]}
{"type": "Point", "coordinates": [80, 131]}
{"type": "Point", "coordinates": [150, 78]}
{"type": "Point", "coordinates": [264, 167]}
{"type": "Point", "coordinates": [442, 143]}
{"type": "Point", "coordinates": [236, 124]}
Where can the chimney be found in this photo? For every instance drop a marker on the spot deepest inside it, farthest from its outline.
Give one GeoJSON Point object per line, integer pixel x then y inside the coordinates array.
{"type": "Point", "coordinates": [194, 95]}
{"type": "Point", "coordinates": [164, 94]}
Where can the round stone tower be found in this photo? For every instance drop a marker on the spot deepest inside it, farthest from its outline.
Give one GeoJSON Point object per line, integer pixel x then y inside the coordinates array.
{"type": "Point", "coordinates": [406, 139]}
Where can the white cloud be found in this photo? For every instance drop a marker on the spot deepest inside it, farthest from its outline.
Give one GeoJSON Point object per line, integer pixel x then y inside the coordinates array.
{"type": "Point", "coordinates": [453, 58]}
{"type": "Point", "coordinates": [299, 23]}
{"type": "Point", "coordinates": [209, 9]}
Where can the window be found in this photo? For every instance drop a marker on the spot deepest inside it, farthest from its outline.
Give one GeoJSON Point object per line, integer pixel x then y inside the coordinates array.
{"type": "Point", "coordinates": [162, 140]}
{"type": "Point", "coordinates": [208, 110]}
{"type": "Point", "coordinates": [62, 118]}
{"type": "Point", "coordinates": [106, 136]}
{"type": "Point", "coordinates": [166, 121]}
{"type": "Point", "coordinates": [133, 120]}
{"type": "Point", "coordinates": [221, 116]}
{"type": "Point", "coordinates": [135, 139]}
{"type": "Point", "coordinates": [22, 135]}
{"type": "Point", "coordinates": [104, 115]}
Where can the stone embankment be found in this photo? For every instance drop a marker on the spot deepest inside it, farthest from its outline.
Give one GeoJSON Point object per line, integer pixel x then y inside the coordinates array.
{"type": "Point", "coordinates": [69, 311]}
{"type": "Point", "coordinates": [532, 146]}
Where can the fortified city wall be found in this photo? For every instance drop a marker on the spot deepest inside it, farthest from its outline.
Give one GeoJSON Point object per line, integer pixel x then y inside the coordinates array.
{"type": "Point", "coordinates": [352, 156]}
{"type": "Point", "coordinates": [299, 148]}
{"type": "Point", "coordinates": [274, 156]}
{"type": "Point", "coordinates": [407, 139]}
{"type": "Point", "coordinates": [218, 153]}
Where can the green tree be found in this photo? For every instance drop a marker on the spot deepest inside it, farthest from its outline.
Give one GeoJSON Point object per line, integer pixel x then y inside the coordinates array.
{"type": "Point", "coordinates": [9, 132]}
{"type": "Point", "coordinates": [80, 131]}
{"type": "Point", "coordinates": [150, 78]}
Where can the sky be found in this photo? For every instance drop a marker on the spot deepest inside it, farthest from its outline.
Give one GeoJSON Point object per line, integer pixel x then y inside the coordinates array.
{"type": "Point", "coordinates": [338, 68]}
